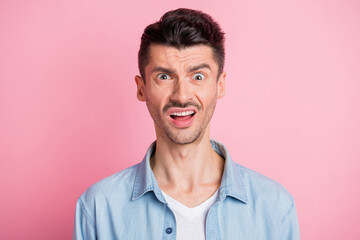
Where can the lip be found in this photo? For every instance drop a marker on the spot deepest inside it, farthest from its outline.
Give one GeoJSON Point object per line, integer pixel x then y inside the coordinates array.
{"type": "Point", "coordinates": [174, 110]}
{"type": "Point", "coordinates": [180, 123]}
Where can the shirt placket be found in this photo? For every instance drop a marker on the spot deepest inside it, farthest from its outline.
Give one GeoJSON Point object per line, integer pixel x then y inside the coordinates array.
{"type": "Point", "coordinates": [169, 228]}
{"type": "Point", "coordinates": [212, 223]}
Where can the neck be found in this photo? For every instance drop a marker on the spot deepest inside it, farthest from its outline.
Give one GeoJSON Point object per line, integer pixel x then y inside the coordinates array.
{"type": "Point", "coordinates": [186, 167]}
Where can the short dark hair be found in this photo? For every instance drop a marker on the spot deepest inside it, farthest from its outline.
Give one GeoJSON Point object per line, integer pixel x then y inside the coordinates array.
{"type": "Point", "coordinates": [182, 28]}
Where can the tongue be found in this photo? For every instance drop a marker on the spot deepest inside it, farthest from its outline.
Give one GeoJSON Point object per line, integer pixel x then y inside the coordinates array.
{"type": "Point", "coordinates": [182, 118]}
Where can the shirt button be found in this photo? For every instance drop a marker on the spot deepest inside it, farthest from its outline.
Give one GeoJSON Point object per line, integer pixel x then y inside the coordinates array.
{"type": "Point", "coordinates": [168, 230]}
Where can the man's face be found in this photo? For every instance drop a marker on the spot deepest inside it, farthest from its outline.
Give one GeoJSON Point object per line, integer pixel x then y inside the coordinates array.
{"type": "Point", "coordinates": [181, 91]}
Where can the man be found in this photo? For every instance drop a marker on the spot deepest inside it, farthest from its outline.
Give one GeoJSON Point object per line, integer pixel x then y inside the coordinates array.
{"type": "Point", "coordinates": [187, 186]}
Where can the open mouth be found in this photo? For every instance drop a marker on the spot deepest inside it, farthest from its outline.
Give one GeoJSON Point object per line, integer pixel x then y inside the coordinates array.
{"type": "Point", "coordinates": [182, 118]}
{"type": "Point", "coordinates": [182, 115]}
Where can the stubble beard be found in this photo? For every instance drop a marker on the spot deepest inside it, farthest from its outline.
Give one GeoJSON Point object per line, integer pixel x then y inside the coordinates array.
{"type": "Point", "coordinates": [183, 136]}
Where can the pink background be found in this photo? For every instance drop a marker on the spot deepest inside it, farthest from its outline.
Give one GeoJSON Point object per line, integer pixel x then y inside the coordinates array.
{"type": "Point", "coordinates": [69, 114]}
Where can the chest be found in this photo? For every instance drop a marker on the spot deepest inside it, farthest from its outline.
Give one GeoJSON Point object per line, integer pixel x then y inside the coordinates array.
{"type": "Point", "coordinates": [150, 219]}
{"type": "Point", "coordinates": [190, 222]}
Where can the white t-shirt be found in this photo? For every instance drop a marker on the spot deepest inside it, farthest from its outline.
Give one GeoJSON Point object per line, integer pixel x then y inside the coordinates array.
{"type": "Point", "coordinates": [190, 222]}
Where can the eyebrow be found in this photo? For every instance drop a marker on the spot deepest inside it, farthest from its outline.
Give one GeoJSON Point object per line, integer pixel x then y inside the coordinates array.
{"type": "Point", "coordinates": [164, 70]}
{"type": "Point", "coordinates": [172, 71]}
{"type": "Point", "coordinates": [195, 68]}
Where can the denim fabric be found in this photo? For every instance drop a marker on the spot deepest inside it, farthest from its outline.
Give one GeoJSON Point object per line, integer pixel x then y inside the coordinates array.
{"type": "Point", "coordinates": [129, 205]}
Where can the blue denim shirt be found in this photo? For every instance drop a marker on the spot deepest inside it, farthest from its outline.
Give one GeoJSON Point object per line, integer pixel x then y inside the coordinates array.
{"type": "Point", "coordinates": [129, 205]}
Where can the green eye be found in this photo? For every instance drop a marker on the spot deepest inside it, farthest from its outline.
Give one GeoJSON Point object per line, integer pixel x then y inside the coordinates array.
{"type": "Point", "coordinates": [163, 76]}
{"type": "Point", "coordinates": [198, 76]}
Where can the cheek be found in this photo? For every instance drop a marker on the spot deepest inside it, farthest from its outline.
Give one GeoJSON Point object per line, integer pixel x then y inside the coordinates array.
{"type": "Point", "coordinates": [155, 98]}
{"type": "Point", "coordinates": [207, 96]}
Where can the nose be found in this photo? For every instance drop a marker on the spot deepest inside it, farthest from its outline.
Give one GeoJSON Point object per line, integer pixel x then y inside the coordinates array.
{"type": "Point", "coordinates": [182, 91]}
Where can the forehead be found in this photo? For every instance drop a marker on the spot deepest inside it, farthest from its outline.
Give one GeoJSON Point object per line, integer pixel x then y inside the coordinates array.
{"type": "Point", "coordinates": [167, 56]}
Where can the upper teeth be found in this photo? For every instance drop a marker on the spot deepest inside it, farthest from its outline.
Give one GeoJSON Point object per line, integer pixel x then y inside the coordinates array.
{"type": "Point", "coordinates": [182, 113]}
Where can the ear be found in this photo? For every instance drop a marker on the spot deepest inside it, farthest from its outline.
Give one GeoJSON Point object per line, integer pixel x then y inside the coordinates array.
{"type": "Point", "coordinates": [221, 85]}
{"type": "Point", "coordinates": [140, 88]}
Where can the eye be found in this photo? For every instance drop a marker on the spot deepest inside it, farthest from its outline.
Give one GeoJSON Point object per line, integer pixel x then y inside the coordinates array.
{"type": "Point", "coordinates": [198, 76]}
{"type": "Point", "coordinates": [163, 76]}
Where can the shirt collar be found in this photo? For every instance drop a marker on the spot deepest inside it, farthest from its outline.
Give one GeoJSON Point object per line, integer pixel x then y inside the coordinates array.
{"type": "Point", "coordinates": [232, 182]}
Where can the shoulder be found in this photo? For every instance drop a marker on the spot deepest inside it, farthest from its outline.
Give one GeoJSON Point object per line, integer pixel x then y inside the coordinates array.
{"type": "Point", "coordinates": [118, 185]}
{"type": "Point", "coordinates": [112, 192]}
{"type": "Point", "coordinates": [264, 191]}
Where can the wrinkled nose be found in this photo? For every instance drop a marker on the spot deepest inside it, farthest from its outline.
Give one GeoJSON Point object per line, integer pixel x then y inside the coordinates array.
{"type": "Point", "coordinates": [182, 91]}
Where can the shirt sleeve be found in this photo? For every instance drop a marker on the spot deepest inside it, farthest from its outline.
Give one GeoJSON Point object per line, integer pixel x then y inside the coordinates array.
{"type": "Point", "coordinates": [84, 226]}
{"type": "Point", "coordinates": [290, 225]}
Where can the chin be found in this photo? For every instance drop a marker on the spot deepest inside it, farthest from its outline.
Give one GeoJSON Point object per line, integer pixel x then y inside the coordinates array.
{"type": "Point", "coordinates": [183, 141]}
{"type": "Point", "coordinates": [183, 138]}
